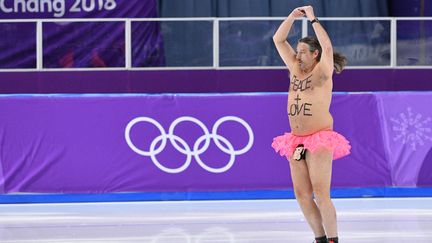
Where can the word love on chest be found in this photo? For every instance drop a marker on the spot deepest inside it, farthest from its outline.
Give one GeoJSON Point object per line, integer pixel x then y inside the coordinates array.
{"type": "Point", "coordinates": [299, 108]}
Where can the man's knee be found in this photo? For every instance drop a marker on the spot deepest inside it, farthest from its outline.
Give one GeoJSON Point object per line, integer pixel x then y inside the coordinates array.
{"type": "Point", "coordinates": [303, 195]}
{"type": "Point", "coordinates": [322, 195]}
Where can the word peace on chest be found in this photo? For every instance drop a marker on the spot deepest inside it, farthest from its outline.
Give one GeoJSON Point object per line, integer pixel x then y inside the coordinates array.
{"type": "Point", "coordinates": [301, 85]}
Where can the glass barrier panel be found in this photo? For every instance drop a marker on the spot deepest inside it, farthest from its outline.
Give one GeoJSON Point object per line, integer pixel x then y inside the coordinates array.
{"type": "Point", "coordinates": [172, 44]}
{"type": "Point", "coordinates": [250, 43]}
{"type": "Point", "coordinates": [17, 45]}
{"type": "Point", "coordinates": [363, 43]}
{"type": "Point", "coordinates": [414, 42]}
{"type": "Point", "coordinates": [83, 44]}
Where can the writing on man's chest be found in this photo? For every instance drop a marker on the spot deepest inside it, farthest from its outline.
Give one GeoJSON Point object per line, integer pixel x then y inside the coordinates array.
{"type": "Point", "coordinates": [299, 107]}
{"type": "Point", "coordinates": [301, 85]}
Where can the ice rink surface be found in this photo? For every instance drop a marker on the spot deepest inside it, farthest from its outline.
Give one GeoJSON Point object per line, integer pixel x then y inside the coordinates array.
{"type": "Point", "coordinates": [258, 221]}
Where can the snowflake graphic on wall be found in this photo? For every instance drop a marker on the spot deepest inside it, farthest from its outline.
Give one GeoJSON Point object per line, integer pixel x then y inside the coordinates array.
{"type": "Point", "coordinates": [412, 129]}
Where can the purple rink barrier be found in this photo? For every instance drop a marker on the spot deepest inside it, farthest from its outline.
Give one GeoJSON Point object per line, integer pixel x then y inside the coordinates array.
{"type": "Point", "coordinates": [166, 143]}
{"type": "Point", "coordinates": [204, 81]}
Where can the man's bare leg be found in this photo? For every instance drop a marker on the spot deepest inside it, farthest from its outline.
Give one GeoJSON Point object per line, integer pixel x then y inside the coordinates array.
{"type": "Point", "coordinates": [320, 169]}
{"type": "Point", "coordinates": [304, 195]}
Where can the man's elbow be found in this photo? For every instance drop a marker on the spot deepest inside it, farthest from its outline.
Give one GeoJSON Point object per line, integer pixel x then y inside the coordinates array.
{"type": "Point", "coordinates": [277, 40]}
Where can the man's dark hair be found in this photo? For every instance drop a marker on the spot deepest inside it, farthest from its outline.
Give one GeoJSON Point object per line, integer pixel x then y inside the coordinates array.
{"type": "Point", "coordinates": [339, 60]}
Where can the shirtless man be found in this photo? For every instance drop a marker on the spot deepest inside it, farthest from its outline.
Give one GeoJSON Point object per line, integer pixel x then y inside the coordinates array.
{"type": "Point", "coordinates": [312, 144]}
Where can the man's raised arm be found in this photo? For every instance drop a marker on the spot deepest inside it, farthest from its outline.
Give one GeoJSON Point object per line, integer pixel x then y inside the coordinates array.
{"type": "Point", "coordinates": [323, 38]}
{"type": "Point", "coordinates": [285, 50]}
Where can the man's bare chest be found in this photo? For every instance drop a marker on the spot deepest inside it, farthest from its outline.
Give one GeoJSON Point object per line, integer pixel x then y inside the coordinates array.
{"type": "Point", "coordinates": [304, 84]}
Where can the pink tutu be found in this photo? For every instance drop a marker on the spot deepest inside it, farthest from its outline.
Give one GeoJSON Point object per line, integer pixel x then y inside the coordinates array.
{"type": "Point", "coordinates": [286, 144]}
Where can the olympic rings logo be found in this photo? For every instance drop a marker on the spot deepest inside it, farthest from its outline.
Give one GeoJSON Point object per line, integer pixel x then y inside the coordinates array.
{"type": "Point", "coordinates": [180, 144]}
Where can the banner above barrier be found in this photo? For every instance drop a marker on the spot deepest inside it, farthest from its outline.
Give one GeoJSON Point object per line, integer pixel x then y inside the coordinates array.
{"type": "Point", "coordinates": [22, 9]}
{"type": "Point", "coordinates": [192, 143]}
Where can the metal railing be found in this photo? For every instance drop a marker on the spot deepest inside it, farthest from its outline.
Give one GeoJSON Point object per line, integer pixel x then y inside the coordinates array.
{"type": "Point", "coordinates": [216, 27]}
